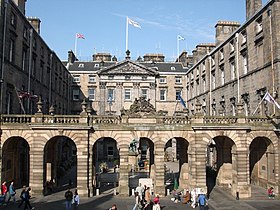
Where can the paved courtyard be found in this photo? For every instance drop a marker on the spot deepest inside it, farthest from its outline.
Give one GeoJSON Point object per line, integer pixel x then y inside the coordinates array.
{"type": "Point", "coordinates": [219, 200]}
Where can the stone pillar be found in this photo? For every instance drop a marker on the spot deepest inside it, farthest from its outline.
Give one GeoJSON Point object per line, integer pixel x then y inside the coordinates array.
{"type": "Point", "coordinates": [36, 166]}
{"type": "Point", "coordinates": [91, 173]}
{"type": "Point", "coordinates": [123, 171]}
{"type": "Point", "coordinates": [82, 167]}
{"type": "Point", "coordinates": [241, 181]}
{"type": "Point", "coordinates": [159, 185]}
{"type": "Point", "coordinates": [200, 165]}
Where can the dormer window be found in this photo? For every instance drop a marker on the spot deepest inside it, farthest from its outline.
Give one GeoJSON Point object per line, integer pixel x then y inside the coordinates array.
{"type": "Point", "coordinates": [111, 77]}
{"type": "Point", "coordinates": [173, 68]}
{"type": "Point", "coordinates": [243, 37]}
{"type": "Point", "coordinates": [81, 65]}
{"type": "Point", "coordinates": [96, 65]}
{"type": "Point", "coordinates": [221, 54]}
{"type": "Point", "coordinates": [231, 46]}
{"type": "Point", "coordinates": [259, 26]}
{"type": "Point", "coordinates": [127, 77]}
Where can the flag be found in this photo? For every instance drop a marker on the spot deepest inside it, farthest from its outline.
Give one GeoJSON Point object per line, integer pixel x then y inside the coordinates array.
{"type": "Point", "coordinates": [180, 38]}
{"type": "Point", "coordinates": [134, 23]}
{"type": "Point", "coordinates": [270, 99]}
{"type": "Point", "coordinates": [80, 36]}
{"type": "Point", "coordinates": [182, 101]}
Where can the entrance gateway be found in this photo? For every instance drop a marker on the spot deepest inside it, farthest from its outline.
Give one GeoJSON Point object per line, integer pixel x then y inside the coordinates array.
{"type": "Point", "coordinates": [49, 152]}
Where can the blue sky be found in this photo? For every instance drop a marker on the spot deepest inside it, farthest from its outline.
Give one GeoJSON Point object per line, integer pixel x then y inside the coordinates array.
{"type": "Point", "coordinates": [103, 23]}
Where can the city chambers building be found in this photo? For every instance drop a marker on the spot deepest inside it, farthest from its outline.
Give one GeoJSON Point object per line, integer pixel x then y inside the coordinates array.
{"type": "Point", "coordinates": [209, 110]}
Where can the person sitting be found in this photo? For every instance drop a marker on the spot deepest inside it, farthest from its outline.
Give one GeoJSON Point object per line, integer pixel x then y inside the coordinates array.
{"type": "Point", "coordinates": [270, 193]}
{"type": "Point", "coordinates": [176, 196]}
{"type": "Point", "coordinates": [187, 197]}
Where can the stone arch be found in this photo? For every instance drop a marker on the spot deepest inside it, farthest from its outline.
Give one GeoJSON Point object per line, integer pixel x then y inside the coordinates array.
{"type": "Point", "coordinates": [263, 159]}
{"type": "Point", "coordinates": [16, 161]}
{"type": "Point", "coordinates": [59, 163]}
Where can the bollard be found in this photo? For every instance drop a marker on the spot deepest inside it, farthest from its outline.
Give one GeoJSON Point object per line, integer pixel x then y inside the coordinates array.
{"type": "Point", "coordinates": [132, 192]}
{"type": "Point", "coordinates": [168, 191]}
{"type": "Point", "coordinates": [237, 195]}
{"type": "Point", "coordinates": [97, 191]}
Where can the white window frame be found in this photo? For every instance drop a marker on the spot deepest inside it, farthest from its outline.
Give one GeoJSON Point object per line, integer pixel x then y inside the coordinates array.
{"type": "Point", "coordinates": [127, 94]}
{"type": "Point", "coordinates": [76, 78]}
{"type": "Point", "coordinates": [162, 94]}
{"type": "Point", "coordinates": [91, 95]}
{"type": "Point", "coordinates": [91, 79]}
{"type": "Point", "coordinates": [178, 80]}
{"type": "Point", "coordinates": [162, 80]}
{"type": "Point", "coordinates": [111, 94]}
{"type": "Point", "coordinates": [144, 93]}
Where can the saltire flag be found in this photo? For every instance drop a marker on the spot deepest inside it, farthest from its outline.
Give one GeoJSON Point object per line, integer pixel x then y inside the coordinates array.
{"type": "Point", "coordinates": [180, 38]}
{"type": "Point", "coordinates": [132, 22]}
{"type": "Point", "coordinates": [182, 101]}
{"type": "Point", "coordinates": [80, 36]}
{"type": "Point", "coordinates": [270, 99]}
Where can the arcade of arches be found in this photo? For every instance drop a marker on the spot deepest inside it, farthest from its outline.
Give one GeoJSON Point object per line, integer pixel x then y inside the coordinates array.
{"type": "Point", "coordinates": [48, 157]}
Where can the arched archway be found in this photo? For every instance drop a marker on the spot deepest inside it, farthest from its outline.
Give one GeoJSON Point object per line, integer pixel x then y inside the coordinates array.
{"type": "Point", "coordinates": [60, 164]}
{"type": "Point", "coordinates": [262, 162]}
{"type": "Point", "coordinates": [105, 163]}
{"type": "Point", "coordinates": [15, 161]}
{"type": "Point", "coordinates": [176, 161]}
{"type": "Point", "coordinates": [221, 163]}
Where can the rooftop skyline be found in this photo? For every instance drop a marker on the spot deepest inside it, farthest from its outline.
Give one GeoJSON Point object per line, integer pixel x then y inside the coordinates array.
{"type": "Point", "coordinates": [103, 25]}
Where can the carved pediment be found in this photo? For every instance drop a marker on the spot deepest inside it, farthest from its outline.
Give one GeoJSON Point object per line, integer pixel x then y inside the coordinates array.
{"type": "Point", "coordinates": [128, 67]}
{"type": "Point", "coordinates": [141, 108]}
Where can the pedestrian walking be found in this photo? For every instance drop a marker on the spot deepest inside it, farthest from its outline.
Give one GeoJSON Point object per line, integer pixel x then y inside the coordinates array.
{"type": "Point", "coordinates": [12, 192]}
{"type": "Point", "coordinates": [22, 196]}
{"type": "Point", "coordinates": [4, 191]}
{"type": "Point", "coordinates": [69, 197]}
{"type": "Point", "coordinates": [137, 201]}
{"type": "Point", "coordinates": [76, 200]}
{"type": "Point", "coordinates": [27, 197]}
{"type": "Point", "coordinates": [202, 201]}
{"type": "Point", "coordinates": [156, 205]}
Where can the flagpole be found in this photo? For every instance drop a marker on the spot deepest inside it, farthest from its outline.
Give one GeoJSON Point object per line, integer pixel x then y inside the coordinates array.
{"type": "Point", "coordinates": [178, 48]}
{"type": "Point", "coordinates": [258, 105]}
{"type": "Point", "coordinates": [76, 41]}
{"type": "Point", "coordinates": [126, 35]}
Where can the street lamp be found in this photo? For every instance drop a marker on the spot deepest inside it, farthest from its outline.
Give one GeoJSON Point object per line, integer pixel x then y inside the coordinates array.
{"type": "Point", "coordinates": [211, 145]}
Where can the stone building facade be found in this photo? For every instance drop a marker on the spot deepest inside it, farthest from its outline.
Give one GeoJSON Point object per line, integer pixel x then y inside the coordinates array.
{"type": "Point", "coordinates": [29, 68]}
{"type": "Point", "coordinates": [242, 67]}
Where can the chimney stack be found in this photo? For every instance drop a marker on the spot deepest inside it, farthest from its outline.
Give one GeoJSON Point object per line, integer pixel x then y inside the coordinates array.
{"type": "Point", "coordinates": [21, 5]}
{"type": "Point", "coordinates": [35, 22]}
{"type": "Point", "coordinates": [252, 6]}
{"type": "Point", "coordinates": [224, 29]}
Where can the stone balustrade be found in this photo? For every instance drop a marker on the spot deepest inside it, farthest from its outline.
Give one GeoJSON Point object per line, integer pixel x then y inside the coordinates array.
{"type": "Point", "coordinates": [114, 119]}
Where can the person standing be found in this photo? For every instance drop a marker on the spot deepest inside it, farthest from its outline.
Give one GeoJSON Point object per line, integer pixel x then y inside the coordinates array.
{"type": "Point", "coordinates": [140, 190]}
{"type": "Point", "coordinates": [68, 196]}
{"type": "Point", "coordinates": [147, 198]}
{"type": "Point", "coordinates": [156, 205]}
{"type": "Point", "coordinates": [76, 200]}
{"type": "Point", "coordinates": [193, 198]}
{"type": "Point", "coordinates": [4, 190]}
{"type": "Point", "coordinates": [27, 198]}
{"type": "Point", "coordinates": [202, 201]}
{"type": "Point", "coordinates": [12, 192]}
